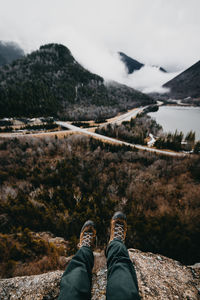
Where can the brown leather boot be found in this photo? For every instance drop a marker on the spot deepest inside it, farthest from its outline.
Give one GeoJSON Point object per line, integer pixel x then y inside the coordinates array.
{"type": "Point", "coordinates": [118, 227]}
{"type": "Point", "coordinates": [87, 235]}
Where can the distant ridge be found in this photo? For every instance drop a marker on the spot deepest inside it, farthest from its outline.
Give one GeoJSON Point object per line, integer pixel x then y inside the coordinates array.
{"type": "Point", "coordinates": [134, 65]}
{"type": "Point", "coordinates": [131, 64]}
{"type": "Point", "coordinates": [186, 84]}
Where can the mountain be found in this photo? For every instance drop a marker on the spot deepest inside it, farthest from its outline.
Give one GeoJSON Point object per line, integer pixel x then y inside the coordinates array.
{"type": "Point", "coordinates": [186, 84]}
{"type": "Point", "coordinates": [9, 51]}
{"type": "Point", "coordinates": [50, 81]}
{"type": "Point", "coordinates": [131, 64]}
{"type": "Point", "coordinates": [134, 65]}
{"type": "Point", "coordinates": [162, 69]}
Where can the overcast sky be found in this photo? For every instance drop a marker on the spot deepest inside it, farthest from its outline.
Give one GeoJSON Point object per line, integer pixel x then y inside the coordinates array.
{"type": "Point", "coordinates": [155, 32]}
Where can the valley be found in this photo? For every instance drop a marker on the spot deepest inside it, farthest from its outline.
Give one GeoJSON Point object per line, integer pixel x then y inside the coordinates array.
{"type": "Point", "coordinates": [74, 146]}
{"type": "Point", "coordinates": [52, 185]}
{"type": "Point", "coordinates": [91, 132]}
{"type": "Point", "coordinates": [100, 140]}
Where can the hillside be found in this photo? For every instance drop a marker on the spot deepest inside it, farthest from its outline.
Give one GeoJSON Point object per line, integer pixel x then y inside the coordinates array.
{"type": "Point", "coordinates": [46, 184]}
{"type": "Point", "coordinates": [186, 84]}
{"type": "Point", "coordinates": [132, 64]}
{"type": "Point", "coordinates": [9, 52]}
{"type": "Point", "coordinates": [51, 82]}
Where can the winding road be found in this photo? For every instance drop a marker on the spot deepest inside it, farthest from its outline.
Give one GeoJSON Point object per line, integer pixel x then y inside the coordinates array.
{"type": "Point", "coordinates": [112, 140]}
{"type": "Point", "coordinates": [117, 120]}
{"type": "Point", "coordinates": [126, 117]}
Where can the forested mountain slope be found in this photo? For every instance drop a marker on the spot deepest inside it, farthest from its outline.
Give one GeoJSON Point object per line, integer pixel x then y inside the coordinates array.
{"type": "Point", "coordinates": [186, 84]}
{"type": "Point", "coordinates": [53, 185]}
{"type": "Point", "coordinates": [51, 82]}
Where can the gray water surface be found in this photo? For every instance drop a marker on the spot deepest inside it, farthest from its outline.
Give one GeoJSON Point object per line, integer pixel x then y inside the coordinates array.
{"type": "Point", "coordinates": [178, 117]}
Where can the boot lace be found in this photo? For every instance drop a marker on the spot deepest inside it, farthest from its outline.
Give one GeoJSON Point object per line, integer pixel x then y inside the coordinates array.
{"type": "Point", "coordinates": [119, 231]}
{"type": "Point", "coordinates": [87, 239]}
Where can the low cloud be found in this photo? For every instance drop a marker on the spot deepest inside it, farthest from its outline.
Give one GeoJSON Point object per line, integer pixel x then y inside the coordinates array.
{"type": "Point", "coordinates": [149, 79]}
{"type": "Point", "coordinates": [109, 65]}
{"type": "Point", "coordinates": [159, 32]}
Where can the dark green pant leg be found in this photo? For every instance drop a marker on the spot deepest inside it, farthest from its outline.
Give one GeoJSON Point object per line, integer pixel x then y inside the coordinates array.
{"type": "Point", "coordinates": [121, 278]}
{"type": "Point", "coordinates": [77, 278]}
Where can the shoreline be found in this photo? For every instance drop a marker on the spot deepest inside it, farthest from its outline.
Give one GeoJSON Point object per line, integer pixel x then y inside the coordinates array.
{"type": "Point", "coordinates": [177, 103]}
{"type": "Point", "coordinates": [181, 117]}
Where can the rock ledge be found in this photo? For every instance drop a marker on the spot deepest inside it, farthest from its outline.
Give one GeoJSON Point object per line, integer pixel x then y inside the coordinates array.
{"type": "Point", "coordinates": [158, 277]}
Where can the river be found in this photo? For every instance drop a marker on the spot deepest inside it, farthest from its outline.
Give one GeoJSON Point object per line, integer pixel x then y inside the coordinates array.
{"type": "Point", "coordinates": [178, 117]}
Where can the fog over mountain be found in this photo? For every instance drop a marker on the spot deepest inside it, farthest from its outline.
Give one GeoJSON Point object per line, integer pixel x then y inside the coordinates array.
{"type": "Point", "coordinates": [158, 33]}
{"type": "Point", "coordinates": [146, 78]}
{"type": "Point", "coordinates": [9, 52]}
{"type": "Point", "coordinates": [134, 65]}
{"type": "Point", "coordinates": [53, 83]}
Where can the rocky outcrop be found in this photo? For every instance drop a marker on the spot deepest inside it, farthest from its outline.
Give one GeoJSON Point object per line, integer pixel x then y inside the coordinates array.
{"type": "Point", "coordinates": [158, 277]}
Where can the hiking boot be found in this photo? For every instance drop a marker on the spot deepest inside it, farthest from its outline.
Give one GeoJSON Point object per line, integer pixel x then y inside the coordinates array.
{"type": "Point", "coordinates": [87, 235]}
{"type": "Point", "coordinates": [118, 227]}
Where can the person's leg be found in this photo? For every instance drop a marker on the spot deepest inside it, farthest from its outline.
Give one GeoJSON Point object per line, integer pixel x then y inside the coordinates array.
{"type": "Point", "coordinates": [77, 278]}
{"type": "Point", "coordinates": [121, 278]}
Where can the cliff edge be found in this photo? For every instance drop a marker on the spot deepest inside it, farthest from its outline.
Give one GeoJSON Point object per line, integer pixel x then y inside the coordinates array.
{"type": "Point", "coordinates": [159, 277]}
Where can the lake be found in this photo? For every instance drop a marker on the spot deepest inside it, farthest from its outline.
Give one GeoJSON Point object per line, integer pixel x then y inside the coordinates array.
{"type": "Point", "coordinates": [178, 117]}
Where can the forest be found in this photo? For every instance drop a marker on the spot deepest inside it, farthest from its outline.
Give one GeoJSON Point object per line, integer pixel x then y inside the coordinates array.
{"type": "Point", "coordinates": [50, 82]}
{"type": "Point", "coordinates": [134, 131]}
{"type": "Point", "coordinates": [177, 141]}
{"type": "Point", "coordinates": [54, 185]}
{"type": "Point", "coordinates": [137, 131]}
